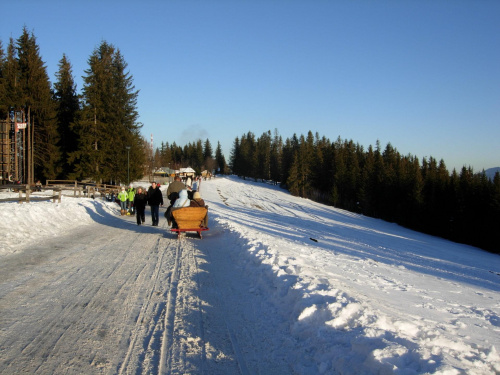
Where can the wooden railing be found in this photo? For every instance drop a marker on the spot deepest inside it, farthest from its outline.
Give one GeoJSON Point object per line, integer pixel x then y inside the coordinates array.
{"type": "Point", "coordinates": [87, 189]}
{"type": "Point", "coordinates": [25, 194]}
{"type": "Point", "coordinates": [59, 187]}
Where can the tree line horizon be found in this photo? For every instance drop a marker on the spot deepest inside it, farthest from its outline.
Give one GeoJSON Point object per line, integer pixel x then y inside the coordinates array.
{"type": "Point", "coordinates": [95, 135]}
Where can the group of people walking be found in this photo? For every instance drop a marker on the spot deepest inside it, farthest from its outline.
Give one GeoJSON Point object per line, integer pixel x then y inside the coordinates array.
{"type": "Point", "coordinates": [126, 199]}
{"type": "Point", "coordinates": [132, 201]}
{"type": "Point", "coordinates": [179, 195]}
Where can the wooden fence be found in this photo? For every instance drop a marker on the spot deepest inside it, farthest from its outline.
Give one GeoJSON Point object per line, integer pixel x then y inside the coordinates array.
{"type": "Point", "coordinates": [59, 187]}
{"type": "Point", "coordinates": [25, 194]}
{"type": "Point", "coordinates": [87, 189]}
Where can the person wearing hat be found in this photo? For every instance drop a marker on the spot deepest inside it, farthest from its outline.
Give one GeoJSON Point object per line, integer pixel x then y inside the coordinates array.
{"type": "Point", "coordinates": [172, 194]}
{"type": "Point", "coordinates": [173, 189]}
{"type": "Point", "coordinates": [197, 201]}
{"type": "Point", "coordinates": [122, 197]}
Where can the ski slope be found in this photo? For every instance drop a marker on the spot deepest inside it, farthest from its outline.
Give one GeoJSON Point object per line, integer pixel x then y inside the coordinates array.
{"type": "Point", "coordinates": [279, 285]}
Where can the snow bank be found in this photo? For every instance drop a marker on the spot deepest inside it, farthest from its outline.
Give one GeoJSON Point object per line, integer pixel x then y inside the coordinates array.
{"type": "Point", "coordinates": [363, 295]}
{"type": "Point", "coordinates": [26, 223]}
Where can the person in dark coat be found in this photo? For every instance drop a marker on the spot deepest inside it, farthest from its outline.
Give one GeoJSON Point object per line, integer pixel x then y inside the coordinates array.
{"type": "Point", "coordinates": [174, 188]}
{"type": "Point", "coordinates": [173, 193]}
{"type": "Point", "coordinates": [140, 201]}
{"type": "Point", "coordinates": [155, 200]}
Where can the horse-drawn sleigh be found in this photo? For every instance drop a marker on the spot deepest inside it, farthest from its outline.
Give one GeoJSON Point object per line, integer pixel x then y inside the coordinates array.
{"type": "Point", "coordinates": [189, 219]}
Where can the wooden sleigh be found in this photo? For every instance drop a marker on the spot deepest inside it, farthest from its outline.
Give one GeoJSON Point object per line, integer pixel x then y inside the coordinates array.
{"type": "Point", "coordinates": [189, 219]}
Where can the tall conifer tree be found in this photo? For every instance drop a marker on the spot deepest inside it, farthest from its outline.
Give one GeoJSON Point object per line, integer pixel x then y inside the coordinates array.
{"type": "Point", "coordinates": [3, 90]}
{"type": "Point", "coordinates": [108, 125]}
{"type": "Point", "coordinates": [11, 76]}
{"type": "Point", "coordinates": [220, 159]}
{"type": "Point", "coordinates": [276, 157]}
{"type": "Point", "coordinates": [207, 150]}
{"type": "Point", "coordinates": [67, 103]}
{"type": "Point", "coordinates": [36, 100]}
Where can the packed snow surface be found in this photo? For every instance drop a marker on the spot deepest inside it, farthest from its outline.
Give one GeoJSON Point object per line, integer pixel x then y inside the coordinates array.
{"type": "Point", "coordinates": [278, 285]}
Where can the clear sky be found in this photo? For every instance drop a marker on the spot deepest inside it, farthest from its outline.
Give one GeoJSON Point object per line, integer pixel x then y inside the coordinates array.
{"type": "Point", "coordinates": [423, 75]}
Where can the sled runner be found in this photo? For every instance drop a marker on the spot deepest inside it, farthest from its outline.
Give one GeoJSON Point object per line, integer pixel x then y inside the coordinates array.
{"type": "Point", "coordinates": [189, 219]}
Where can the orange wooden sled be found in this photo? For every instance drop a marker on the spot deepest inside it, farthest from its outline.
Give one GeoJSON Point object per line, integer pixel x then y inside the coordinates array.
{"type": "Point", "coordinates": [189, 219]}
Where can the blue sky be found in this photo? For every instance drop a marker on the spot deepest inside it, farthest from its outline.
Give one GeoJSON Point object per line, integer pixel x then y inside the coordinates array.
{"type": "Point", "coordinates": [422, 75]}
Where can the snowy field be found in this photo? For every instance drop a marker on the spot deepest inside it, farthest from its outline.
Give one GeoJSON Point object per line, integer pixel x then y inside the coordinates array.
{"type": "Point", "coordinates": [278, 285]}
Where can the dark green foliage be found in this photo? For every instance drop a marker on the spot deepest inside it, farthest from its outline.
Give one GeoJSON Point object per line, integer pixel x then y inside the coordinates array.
{"type": "Point", "coordinates": [378, 183]}
{"type": "Point", "coordinates": [207, 150]}
{"type": "Point", "coordinates": [109, 143]}
{"type": "Point", "coordinates": [3, 89]}
{"type": "Point", "coordinates": [34, 95]}
{"type": "Point", "coordinates": [197, 155]}
{"type": "Point", "coordinates": [68, 108]}
{"type": "Point", "coordinates": [72, 139]}
{"type": "Point", "coordinates": [220, 160]}
{"type": "Point", "coordinates": [11, 76]}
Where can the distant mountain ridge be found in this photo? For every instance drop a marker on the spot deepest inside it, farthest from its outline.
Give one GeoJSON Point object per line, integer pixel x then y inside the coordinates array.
{"type": "Point", "coordinates": [490, 172]}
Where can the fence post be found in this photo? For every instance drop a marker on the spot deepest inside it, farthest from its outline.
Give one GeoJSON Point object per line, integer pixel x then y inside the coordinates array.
{"type": "Point", "coordinates": [28, 191]}
{"type": "Point", "coordinates": [58, 196]}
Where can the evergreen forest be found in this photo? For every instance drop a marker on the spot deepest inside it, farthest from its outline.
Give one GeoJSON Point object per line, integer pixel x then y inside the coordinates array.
{"type": "Point", "coordinates": [381, 183]}
{"type": "Point", "coordinates": [87, 136]}
{"type": "Point", "coordinates": [95, 135]}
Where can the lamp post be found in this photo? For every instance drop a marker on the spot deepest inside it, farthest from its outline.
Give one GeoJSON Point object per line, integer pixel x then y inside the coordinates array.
{"type": "Point", "coordinates": [128, 165]}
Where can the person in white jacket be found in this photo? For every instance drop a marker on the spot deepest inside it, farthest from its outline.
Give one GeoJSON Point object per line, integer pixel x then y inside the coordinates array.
{"type": "Point", "coordinates": [182, 201]}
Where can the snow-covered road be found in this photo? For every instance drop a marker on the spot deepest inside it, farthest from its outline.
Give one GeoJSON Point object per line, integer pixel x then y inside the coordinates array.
{"type": "Point", "coordinates": [279, 285]}
{"type": "Point", "coordinates": [112, 297]}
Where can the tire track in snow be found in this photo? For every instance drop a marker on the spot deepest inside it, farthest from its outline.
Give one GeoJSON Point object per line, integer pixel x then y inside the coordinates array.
{"type": "Point", "coordinates": [56, 334]}
{"type": "Point", "coordinates": [75, 298]}
{"type": "Point", "coordinates": [138, 329]}
{"type": "Point", "coordinates": [168, 331]}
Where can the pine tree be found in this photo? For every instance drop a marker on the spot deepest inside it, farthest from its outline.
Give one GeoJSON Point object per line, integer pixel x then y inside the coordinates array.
{"type": "Point", "coordinates": [293, 181]}
{"type": "Point", "coordinates": [263, 149]}
{"type": "Point", "coordinates": [235, 158]}
{"type": "Point", "coordinates": [199, 157]}
{"type": "Point", "coordinates": [67, 102]}
{"type": "Point", "coordinates": [340, 174]}
{"type": "Point", "coordinates": [276, 155]}
{"type": "Point", "coordinates": [290, 148]}
{"type": "Point", "coordinates": [367, 187]}
{"type": "Point", "coordinates": [11, 76]}
{"type": "Point", "coordinates": [207, 150]}
{"type": "Point", "coordinates": [220, 160]}
{"type": "Point", "coordinates": [36, 100]}
{"type": "Point", "coordinates": [378, 184]}
{"type": "Point", "coordinates": [110, 144]}
{"type": "Point", "coordinates": [247, 157]}
{"type": "Point", "coordinates": [3, 89]}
